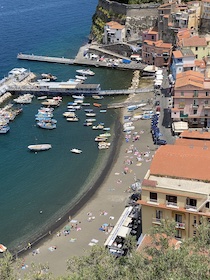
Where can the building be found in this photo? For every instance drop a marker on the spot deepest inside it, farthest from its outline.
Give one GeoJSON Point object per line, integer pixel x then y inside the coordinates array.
{"type": "Point", "coordinates": [205, 9]}
{"type": "Point", "coordinates": [177, 188]}
{"type": "Point", "coordinates": [197, 44]}
{"type": "Point", "coordinates": [156, 53]}
{"type": "Point", "coordinates": [182, 60]}
{"type": "Point", "coordinates": [114, 32]}
{"type": "Point", "coordinates": [192, 99]}
{"type": "Point", "coordinates": [151, 35]}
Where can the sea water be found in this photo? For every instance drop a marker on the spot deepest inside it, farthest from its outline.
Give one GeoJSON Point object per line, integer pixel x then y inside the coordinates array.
{"type": "Point", "coordinates": [38, 188]}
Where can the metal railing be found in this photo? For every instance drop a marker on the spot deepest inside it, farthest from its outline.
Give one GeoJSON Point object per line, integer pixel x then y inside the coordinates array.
{"type": "Point", "coordinates": [171, 204]}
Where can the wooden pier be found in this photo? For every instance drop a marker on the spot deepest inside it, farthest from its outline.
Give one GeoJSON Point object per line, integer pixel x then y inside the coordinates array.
{"type": "Point", "coordinates": [41, 58]}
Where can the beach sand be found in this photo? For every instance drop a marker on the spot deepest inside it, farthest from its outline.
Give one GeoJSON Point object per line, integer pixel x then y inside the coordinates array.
{"type": "Point", "coordinates": [105, 206]}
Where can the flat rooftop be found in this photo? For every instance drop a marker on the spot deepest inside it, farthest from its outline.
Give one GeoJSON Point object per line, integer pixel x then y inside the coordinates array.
{"type": "Point", "coordinates": [182, 185]}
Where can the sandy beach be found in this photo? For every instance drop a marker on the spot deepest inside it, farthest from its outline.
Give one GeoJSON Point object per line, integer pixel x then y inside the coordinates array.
{"type": "Point", "coordinates": [82, 230]}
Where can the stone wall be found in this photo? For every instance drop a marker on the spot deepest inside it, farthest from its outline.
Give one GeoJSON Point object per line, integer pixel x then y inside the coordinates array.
{"type": "Point", "coordinates": [135, 17]}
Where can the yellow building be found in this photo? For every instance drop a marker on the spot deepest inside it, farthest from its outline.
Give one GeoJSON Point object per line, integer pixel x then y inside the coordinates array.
{"type": "Point", "coordinates": [177, 188]}
{"type": "Point", "coordinates": [197, 44]}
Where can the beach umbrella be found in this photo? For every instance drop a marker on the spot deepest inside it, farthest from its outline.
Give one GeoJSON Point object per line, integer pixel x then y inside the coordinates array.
{"type": "Point", "coordinates": [67, 228]}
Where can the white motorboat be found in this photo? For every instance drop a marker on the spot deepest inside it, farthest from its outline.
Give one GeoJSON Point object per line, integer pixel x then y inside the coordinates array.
{"type": "Point", "coordinates": [72, 119]}
{"type": "Point", "coordinates": [75, 96]}
{"type": "Point", "coordinates": [90, 114]}
{"type": "Point", "coordinates": [86, 72]}
{"type": "Point", "coordinates": [76, 151]}
{"type": "Point", "coordinates": [39, 147]}
{"type": "Point", "coordinates": [83, 78]}
{"type": "Point", "coordinates": [97, 97]}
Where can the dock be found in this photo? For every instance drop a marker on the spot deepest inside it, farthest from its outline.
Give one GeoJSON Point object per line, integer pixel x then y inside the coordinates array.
{"type": "Point", "coordinates": [61, 60]}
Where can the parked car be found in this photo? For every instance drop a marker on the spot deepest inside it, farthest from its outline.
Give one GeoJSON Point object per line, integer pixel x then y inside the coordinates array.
{"type": "Point", "coordinates": [157, 103]}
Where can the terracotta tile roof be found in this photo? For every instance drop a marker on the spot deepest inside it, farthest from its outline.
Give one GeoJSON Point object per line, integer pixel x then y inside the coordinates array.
{"type": "Point", "coordinates": [183, 33]}
{"type": "Point", "coordinates": [115, 25]}
{"type": "Point", "coordinates": [148, 241]}
{"type": "Point", "coordinates": [182, 162]}
{"type": "Point", "coordinates": [166, 5]}
{"type": "Point", "coordinates": [190, 77]}
{"type": "Point", "coordinates": [177, 54]}
{"type": "Point", "coordinates": [194, 41]}
{"type": "Point", "coordinates": [195, 134]}
{"type": "Point", "coordinates": [192, 142]}
{"type": "Point", "coordinates": [200, 63]}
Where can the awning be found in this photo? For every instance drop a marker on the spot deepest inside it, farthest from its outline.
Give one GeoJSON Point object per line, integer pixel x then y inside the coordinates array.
{"type": "Point", "coordinates": [127, 221]}
{"type": "Point", "coordinates": [124, 231]}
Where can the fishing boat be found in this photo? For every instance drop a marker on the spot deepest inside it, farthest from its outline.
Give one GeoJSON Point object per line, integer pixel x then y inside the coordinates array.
{"type": "Point", "coordinates": [83, 78]}
{"type": "Point", "coordinates": [46, 125]}
{"type": "Point", "coordinates": [97, 97]}
{"type": "Point", "coordinates": [2, 248]}
{"type": "Point", "coordinates": [85, 72]}
{"type": "Point", "coordinates": [39, 147]}
{"type": "Point", "coordinates": [97, 104]}
{"type": "Point", "coordinates": [76, 151]}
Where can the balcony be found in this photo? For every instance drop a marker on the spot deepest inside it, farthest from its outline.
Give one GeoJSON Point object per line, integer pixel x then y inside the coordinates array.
{"type": "Point", "coordinates": [153, 201]}
{"type": "Point", "coordinates": [180, 225]}
{"type": "Point", "coordinates": [171, 204]}
{"type": "Point", "coordinates": [191, 208]}
{"type": "Point", "coordinates": [157, 221]}
{"type": "Point", "coordinates": [206, 106]}
{"type": "Point", "coordinates": [183, 115]}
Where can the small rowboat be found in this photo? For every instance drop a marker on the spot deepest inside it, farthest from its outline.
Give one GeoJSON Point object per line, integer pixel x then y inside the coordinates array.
{"type": "Point", "coordinates": [97, 104]}
{"type": "Point", "coordinates": [2, 248]}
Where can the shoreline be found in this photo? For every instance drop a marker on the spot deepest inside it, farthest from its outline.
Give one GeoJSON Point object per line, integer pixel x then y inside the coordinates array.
{"type": "Point", "coordinates": [110, 196]}
{"type": "Point", "coordinates": [85, 196]}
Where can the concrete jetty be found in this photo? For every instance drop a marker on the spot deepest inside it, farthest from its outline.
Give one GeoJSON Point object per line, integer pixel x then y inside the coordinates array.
{"type": "Point", "coordinates": [41, 58]}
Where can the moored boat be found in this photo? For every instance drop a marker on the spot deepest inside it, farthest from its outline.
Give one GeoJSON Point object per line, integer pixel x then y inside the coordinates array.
{"type": "Point", "coordinates": [83, 78]}
{"type": "Point", "coordinates": [100, 139]}
{"type": "Point", "coordinates": [4, 129]}
{"type": "Point", "coordinates": [97, 97]}
{"type": "Point", "coordinates": [97, 104]}
{"type": "Point", "coordinates": [46, 125]}
{"type": "Point", "coordinates": [39, 147]}
{"type": "Point", "coordinates": [76, 151]}
{"type": "Point", "coordinates": [72, 119]}
{"type": "Point", "coordinates": [86, 72]}
{"type": "Point", "coordinates": [102, 111]}
{"type": "Point", "coordinates": [90, 114]}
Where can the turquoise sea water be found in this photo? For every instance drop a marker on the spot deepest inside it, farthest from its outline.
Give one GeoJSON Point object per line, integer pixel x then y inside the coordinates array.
{"type": "Point", "coordinates": [48, 181]}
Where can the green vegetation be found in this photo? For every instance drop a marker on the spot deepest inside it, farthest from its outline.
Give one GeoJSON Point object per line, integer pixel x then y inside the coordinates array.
{"type": "Point", "coordinates": [160, 260]}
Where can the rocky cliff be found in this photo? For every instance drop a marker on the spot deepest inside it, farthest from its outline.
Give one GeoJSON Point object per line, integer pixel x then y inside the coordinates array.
{"type": "Point", "coordinates": [135, 17]}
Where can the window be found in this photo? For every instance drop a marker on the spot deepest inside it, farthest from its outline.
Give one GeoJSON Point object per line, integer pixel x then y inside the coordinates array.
{"type": "Point", "coordinates": [196, 56]}
{"type": "Point", "coordinates": [207, 205]}
{"type": "Point", "coordinates": [194, 220]}
{"type": "Point", "coordinates": [206, 102]}
{"type": "Point", "coordinates": [195, 93]}
{"type": "Point", "coordinates": [194, 232]}
{"type": "Point", "coordinates": [195, 112]}
{"type": "Point", "coordinates": [207, 94]}
{"type": "Point", "coordinates": [153, 196]}
{"type": "Point", "coordinates": [178, 218]}
{"type": "Point", "coordinates": [159, 214]}
{"type": "Point", "coordinates": [191, 203]}
{"type": "Point", "coordinates": [178, 234]}
{"type": "Point", "coordinates": [196, 48]}
{"type": "Point", "coordinates": [171, 200]}
{"type": "Point", "coordinates": [182, 93]}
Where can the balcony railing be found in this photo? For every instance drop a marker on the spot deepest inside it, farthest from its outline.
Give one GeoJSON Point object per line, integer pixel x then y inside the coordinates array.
{"type": "Point", "coordinates": [171, 204]}
{"type": "Point", "coordinates": [153, 201]}
{"type": "Point", "coordinates": [191, 207]}
{"type": "Point", "coordinates": [156, 221]}
{"type": "Point", "coordinates": [180, 225]}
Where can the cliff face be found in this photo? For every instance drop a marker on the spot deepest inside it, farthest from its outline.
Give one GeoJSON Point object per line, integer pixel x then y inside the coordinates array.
{"type": "Point", "coordinates": [135, 17]}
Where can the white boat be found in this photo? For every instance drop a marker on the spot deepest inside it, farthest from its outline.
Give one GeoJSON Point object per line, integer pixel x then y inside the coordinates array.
{"type": "Point", "coordinates": [69, 114]}
{"type": "Point", "coordinates": [75, 96]}
{"type": "Point", "coordinates": [86, 72]}
{"type": "Point", "coordinates": [76, 151]}
{"type": "Point", "coordinates": [72, 119]}
{"type": "Point", "coordinates": [49, 76]}
{"type": "Point", "coordinates": [97, 97]}
{"type": "Point", "coordinates": [39, 147]}
{"type": "Point", "coordinates": [83, 78]}
{"type": "Point", "coordinates": [103, 111]}
{"type": "Point", "coordinates": [42, 97]}
{"type": "Point", "coordinates": [90, 114]}
{"type": "Point", "coordinates": [90, 120]}
{"type": "Point", "coordinates": [100, 139]}
{"type": "Point", "coordinates": [103, 145]}
{"type": "Point", "coordinates": [2, 248]}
